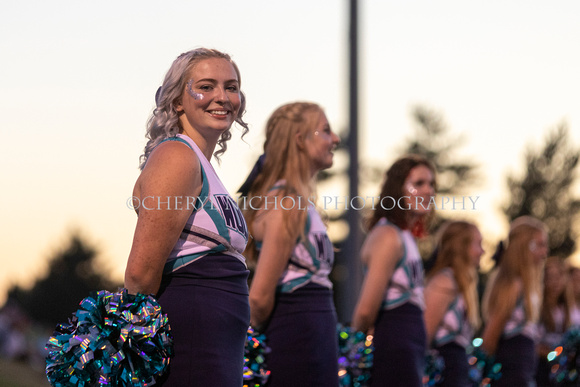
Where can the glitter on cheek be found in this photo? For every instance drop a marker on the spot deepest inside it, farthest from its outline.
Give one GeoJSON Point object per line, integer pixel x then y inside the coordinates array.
{"type": "Point", "coordinates": [194, 95]}
{"type": "Point", "coordinates": [412, 190]}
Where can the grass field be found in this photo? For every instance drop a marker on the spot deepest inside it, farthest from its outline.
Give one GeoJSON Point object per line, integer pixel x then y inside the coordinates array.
{"type": "Point", "coordinates": [17, 374]}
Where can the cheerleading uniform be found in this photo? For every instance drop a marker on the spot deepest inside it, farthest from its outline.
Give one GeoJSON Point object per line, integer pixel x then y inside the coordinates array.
{"type": "Point", "coordinates": [301, 332]}
{"type": "Point", "coordinates": [516, 349]}
{"type": "Point", "coordinates": [451, 339]}
{"type": "Point", "coordinates": [400, 337]}
{"type": "Point", "coordinates": [204, 288]}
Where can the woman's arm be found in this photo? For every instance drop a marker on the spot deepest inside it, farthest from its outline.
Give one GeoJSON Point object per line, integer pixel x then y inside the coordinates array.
{"type": "Point", "coordinates": [172, 172]}
{"type": "Point", "coordinates": [499, 316]}
{"type": "Point", "coordinates": [439, 294]}
{"type": "Point", "coordinates": [277, 247]}
{"type": "Point", "coordinates": [381, 251]}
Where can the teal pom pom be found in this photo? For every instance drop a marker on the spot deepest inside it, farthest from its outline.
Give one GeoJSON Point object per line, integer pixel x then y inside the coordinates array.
{"type": "Point", "coordinates": [564, 360]}
{"type": "Point", "coordinates": [355, 357]}
{"type": "Point", "coordinates": [256, 372]}
{"type": "Point", "coordinates": [483, 369]}
{"type": "Point", "coordinates": [434, 365]}
{"type": "Point", "coordinates": [113, 339]}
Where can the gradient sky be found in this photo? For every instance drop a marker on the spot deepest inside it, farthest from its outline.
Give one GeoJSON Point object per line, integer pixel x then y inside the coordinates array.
{"type": "Point", "coordinates": [78, 78]}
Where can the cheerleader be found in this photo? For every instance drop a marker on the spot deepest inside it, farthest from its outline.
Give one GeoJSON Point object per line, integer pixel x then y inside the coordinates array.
{"type": "Point", "coordinates": [451, 299]}
{"type": "Point", "coordinates": [391, 301]}
{"type": "Point", "coordinates": [291, 295]}
{"type": "Point", "coordinates": [556, 314]}
{"type": "Point", "coordinates": [190, 234]}
{"type": "Point", "coordinates": [512, 301]}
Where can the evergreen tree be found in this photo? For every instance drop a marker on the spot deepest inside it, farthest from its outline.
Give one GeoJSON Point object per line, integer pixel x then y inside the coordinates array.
{"type": "Point", "coordinates": [433, 141]}
{"type": "Point", "coordinates": [545, 189]}
{"type": "Point", "coordinates": [72, 275]}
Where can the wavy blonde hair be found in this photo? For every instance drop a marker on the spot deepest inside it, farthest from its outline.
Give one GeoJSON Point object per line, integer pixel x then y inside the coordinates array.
{"type": "Point", "coordinates": [517, 264]}
{"type": "Point", "coordinates": [453, 252]}
{"type": "Point", "coordinates": [164, 121]}
{"type": "Point", "coordinates": [284, 160]}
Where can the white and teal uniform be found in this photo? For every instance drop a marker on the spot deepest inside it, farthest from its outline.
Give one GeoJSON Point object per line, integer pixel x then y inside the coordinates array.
{"type": "Point", "coordinates": [312, 258]}
{"type": "Point", "coordinates": [406, 284]}
{"type": "Point", "coordinates": [216, 224]}
{"type": "Point", "coordinates": [204, 289]}
{"type": "Point", "coordinates": [518, 323]}
{"type": "Point", "coordinates": [400, 337]}
{"type": "Point", "coordinates": [454, 327]}
{"type": "Point", "coordinates": [301, 332]}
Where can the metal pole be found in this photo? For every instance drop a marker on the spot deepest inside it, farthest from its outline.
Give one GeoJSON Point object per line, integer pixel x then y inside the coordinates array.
{"type": "Point", "coordinates": [354, 240]}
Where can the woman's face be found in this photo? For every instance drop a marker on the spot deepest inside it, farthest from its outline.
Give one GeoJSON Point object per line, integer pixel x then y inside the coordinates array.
{"type": "Point", "coordinates": [211, 99]}
{"type": "Point", "coordinates": [553, 281]}
{"type": "Point", "coordinates": [418, 190]}
{"type": "Point", "coordinates": [539, 247]}
{"type": "Point", "coordinates": [320, 144]}
{"type": "Point", "coordinates": [475, 250]}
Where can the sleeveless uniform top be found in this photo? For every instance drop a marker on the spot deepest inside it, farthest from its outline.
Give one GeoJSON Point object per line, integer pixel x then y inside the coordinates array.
{"type": "Point", "coordinates": [454, 327]}
{"type": "Point", "coordinates": [406, 284]}
{"type": "Point", "coordinates": [517, 323]}
{"type": "Point", "coordinates": [216, 224]}
{"type": "Point", "coordinates": [312, 258]}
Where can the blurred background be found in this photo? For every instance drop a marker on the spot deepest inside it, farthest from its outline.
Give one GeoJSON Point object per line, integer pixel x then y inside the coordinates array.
{"type": "Point", "coordinates": [489, 91]}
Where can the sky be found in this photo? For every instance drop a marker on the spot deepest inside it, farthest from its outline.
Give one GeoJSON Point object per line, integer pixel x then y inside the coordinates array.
{"type": "Point", "coordinates": [78, 79]}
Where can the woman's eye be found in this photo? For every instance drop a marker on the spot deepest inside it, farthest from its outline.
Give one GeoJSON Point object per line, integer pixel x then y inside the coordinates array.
{"type": "Point", "coordinates": [205, 88]}
{"type": "Point", "coordinates": [233, 89]}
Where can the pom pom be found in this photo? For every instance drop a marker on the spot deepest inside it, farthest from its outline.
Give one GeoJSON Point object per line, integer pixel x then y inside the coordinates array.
{"type": "Point", "coordinates": [113, 339]}
{"type": "Point", "coordinates": [434, 365]}
{"type": "Point", "coordinates": [564, 360]}
{"type": "Point", "coordinates": [255, 371]}
{"type": "Point", "coordinates": [355, 357]}
{"type": "Point", "coordinates": [483, 368]}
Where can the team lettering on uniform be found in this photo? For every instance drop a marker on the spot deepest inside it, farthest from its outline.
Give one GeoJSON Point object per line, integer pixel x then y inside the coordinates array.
{"type": "Point", "coordinates": [232, 214]}
{"type": "Point", "coordinates": [416, 268]}
{"type": "Point", "coordinates": [324, 248]}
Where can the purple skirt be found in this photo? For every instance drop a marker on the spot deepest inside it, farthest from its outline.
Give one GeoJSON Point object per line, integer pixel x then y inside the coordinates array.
{"type": "Point", "coordinates": [399, 341]}
{"type": "Point", "coordinates": [517, 356]}
{"type": "Point", "coordinates": [456, 371]}
{"type": "Point", "coordinates": [302, 337]}
{"type": "Point", "coordinates": [207, 306]}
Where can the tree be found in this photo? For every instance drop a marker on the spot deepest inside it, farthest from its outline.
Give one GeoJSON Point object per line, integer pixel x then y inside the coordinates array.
{"type": "Point", "coordinates": [545, 189]}
{"type": "Point", "coordinates": [72, 274]}
{"type": "Point", "coordinates": [432, 140]}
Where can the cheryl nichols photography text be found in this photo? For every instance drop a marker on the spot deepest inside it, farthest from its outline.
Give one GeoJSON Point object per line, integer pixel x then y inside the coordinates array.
{"type": "Point", "coordinates": [357, 203]}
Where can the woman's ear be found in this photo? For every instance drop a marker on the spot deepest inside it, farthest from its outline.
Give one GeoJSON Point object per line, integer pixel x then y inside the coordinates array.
{"type": "Point", "coordinates": [178, 106]}
{"type": "Point", "coordinates": [300, 141]}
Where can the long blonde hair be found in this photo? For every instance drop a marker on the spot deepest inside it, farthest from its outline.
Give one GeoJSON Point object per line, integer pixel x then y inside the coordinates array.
{"type": "Point", "coordinates": [284, 160]}
{"type": "Point", "coordinates": [517, 264]}
{"type": "Point", "coordinates": [453, 252]}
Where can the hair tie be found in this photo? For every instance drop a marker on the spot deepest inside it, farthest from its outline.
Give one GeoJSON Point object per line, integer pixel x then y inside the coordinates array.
{"type": "Point", "coordinates": [258, 166]}
{"type": "Point", "coordinates": [498, 253]}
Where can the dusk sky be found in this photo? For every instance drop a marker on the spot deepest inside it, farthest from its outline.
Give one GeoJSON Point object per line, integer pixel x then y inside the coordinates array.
{"type": "Point", "coordinates": [78, 80]}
